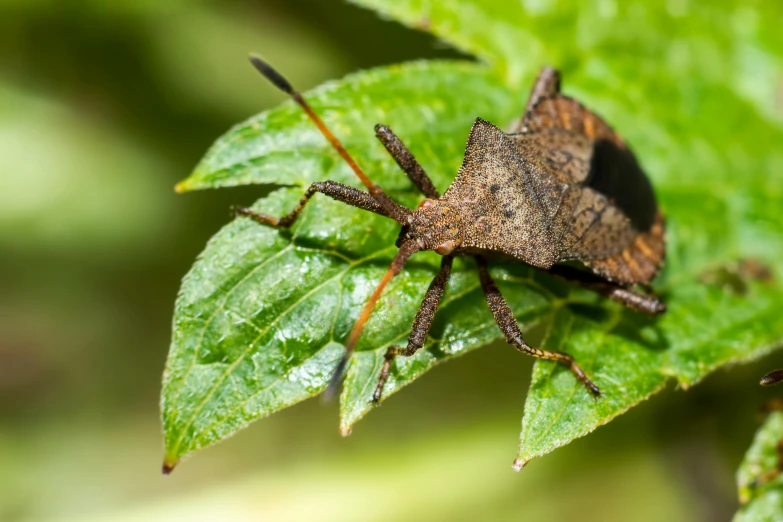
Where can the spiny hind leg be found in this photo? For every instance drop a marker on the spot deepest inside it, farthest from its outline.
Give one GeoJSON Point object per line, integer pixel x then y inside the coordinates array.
{"type": "Point", "coordinates": [547, 85]}
{"type": "Point", "coordinates": [338, 191]}
{"type": "Point", "coordinates": [421, 324]}
{"type": "Point", "coordinates": [648, 304]}
{"type": "Point", "coordinates": [508, 325]}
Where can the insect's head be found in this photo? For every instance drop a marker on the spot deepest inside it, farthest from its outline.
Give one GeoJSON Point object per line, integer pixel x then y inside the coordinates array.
{"type": "Point", "coordinates": [435, 225]}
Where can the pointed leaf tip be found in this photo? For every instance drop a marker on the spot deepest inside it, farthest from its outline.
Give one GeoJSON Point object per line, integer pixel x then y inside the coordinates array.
{"type": "Point", "coordinates": [168, 467]}
{"type": "Point", "coordinates": [635, 358]}
{"type": "Point", "coordinates": [518, 464]}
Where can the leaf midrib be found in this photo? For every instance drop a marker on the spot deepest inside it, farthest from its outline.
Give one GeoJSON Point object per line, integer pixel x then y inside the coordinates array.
{"type": "Point", "coordinates": [230, 368]}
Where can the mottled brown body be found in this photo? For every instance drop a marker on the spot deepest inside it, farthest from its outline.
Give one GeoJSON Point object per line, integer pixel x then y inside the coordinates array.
{"type": "Point", "coordinates": [549, 194]}
{"type": "Point", "coordinates": [561, 187]}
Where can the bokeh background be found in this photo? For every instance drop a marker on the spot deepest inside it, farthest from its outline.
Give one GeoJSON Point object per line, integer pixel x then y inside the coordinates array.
{"type": "Point", "coordinates": [104, 106]}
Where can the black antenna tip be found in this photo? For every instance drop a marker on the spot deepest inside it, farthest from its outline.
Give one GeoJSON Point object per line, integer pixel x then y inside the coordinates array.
{"type": "Point", "coordinates": [271, 74]}
{"type": "Point", "coordinates": [331, 390]}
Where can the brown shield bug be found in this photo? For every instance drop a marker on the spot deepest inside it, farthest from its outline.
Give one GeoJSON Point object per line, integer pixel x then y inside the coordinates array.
{"type": "Point", "coordinates": [561, 187]}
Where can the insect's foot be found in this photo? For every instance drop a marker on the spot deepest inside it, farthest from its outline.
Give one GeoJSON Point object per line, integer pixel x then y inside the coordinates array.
{"type": "Point", "coordinates": [255, 216]}
{"type": "Point", "coordinates": [594, 390]}
{"type": "Point", "coordinates": [376, 397]}
{"type": "Point", "coordinates": [581, 376]}
{"type": "Point", "coordinates": [659, 308]}
{"type": "Point", "coordinates": [236, 210]}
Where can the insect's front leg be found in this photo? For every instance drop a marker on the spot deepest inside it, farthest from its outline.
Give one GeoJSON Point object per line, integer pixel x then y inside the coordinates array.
{"type": "Point", "coordinates": [406, 161]}
{"type": "Point", "coordinates": [508, 325]}
{"type": "Point", "coordinates": [351, 196]}
{"type": "Point", "coordinates": [421, 324]}
{"type": "Point", "coordinates": [547, 85]}
{"type": "Point", "coordinates": [648, 304]}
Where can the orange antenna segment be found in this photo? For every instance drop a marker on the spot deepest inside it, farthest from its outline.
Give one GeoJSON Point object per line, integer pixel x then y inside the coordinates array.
{"type": "Point", "coordinates": [396, 211]}
{"type": "Point", "coordinates": [403, 254]}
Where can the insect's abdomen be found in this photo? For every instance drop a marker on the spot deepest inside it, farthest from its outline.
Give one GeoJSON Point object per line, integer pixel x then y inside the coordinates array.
{"type": "Point", "coordinates": [639, 262]}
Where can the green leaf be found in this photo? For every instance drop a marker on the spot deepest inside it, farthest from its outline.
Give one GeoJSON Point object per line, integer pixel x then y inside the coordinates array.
{"type": "Point", "coordinates": [720, 189]}
{"type": "Point", "coordinates": [705, 327]}
{"type": "Point", "coordinates": [638, 52]}
{"type": "Point", "coordinates": [760, 489]}
{"type": "Point", "coordinates": [261, 316]}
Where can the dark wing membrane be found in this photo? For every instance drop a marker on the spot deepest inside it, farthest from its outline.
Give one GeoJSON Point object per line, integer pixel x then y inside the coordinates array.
{"type": "Point", "coordinates": [615, 174]}
{"type": "Point", "coordinates": [614, 171]}
{"type": "Point", "coordinates": [596, 229]}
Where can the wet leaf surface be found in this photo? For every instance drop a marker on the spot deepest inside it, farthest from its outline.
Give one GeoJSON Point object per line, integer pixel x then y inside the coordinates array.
{"type": "Point", "coordinates": [261, 316]}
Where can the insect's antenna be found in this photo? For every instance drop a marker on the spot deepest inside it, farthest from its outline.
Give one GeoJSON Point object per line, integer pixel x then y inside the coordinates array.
{"type": "Point", "coordinates": [403, 254]}
{"type": "Point", "coordinates": [395, 211]}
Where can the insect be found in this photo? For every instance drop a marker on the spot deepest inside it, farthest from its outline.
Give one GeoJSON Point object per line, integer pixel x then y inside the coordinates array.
{"type": "Point", "coordinates": [560, 189]}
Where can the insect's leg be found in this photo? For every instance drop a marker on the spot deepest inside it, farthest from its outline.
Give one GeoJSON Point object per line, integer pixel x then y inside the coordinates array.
{"type": "Point", "coordinates": [351, 196]}
{"type": "Point", "coordinates": [648, 304]}
{"type": "Point", "coordinates": [508, 325]}
{"type": "Point", "coordinates": [421, 324]}
{"type": "Point", "coordinates": [406, 161]}
{"type": "Point", "coordinates": [392, 209]}
{"type": "Point", "coordinates": [547, 85]}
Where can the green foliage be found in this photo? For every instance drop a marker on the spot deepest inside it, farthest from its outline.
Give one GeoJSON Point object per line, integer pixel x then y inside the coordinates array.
{"type": "Point", "coordinates": [760, 490]}
{"type": "Point", "coordinates": [260, 317]}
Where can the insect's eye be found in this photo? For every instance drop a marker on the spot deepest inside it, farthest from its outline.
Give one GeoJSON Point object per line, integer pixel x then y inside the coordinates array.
{"type": "Point", "coordinates": [445, 248]}
{"type": "Point", "coordinates": [427, 203]}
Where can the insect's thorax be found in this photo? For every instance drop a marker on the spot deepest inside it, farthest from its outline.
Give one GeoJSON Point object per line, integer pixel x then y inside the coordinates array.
{"type": "Point", "coordinates": [437, 225]}
{"type": "Point", "coordinates": [471, 224]}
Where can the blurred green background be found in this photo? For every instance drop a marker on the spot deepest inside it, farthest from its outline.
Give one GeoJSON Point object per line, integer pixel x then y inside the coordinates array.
{"type": "Point", "coordinates": [103, 108]}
